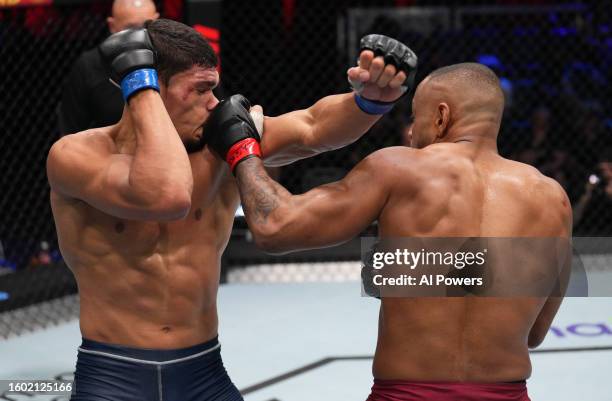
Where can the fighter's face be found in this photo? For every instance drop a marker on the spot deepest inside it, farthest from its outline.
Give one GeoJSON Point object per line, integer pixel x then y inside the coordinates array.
{"type": "Point", "coordinates": [189, 100]}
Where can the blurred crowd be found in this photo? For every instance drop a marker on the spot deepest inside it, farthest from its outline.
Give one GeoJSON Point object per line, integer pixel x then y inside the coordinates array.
{"type": "Point", "coordinates": [558, 115]}
{"type": "Point", "coordinates": [555, 67]}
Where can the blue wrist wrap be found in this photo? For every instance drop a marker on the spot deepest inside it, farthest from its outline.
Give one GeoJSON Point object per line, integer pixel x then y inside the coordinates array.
{"type": "Point", "coordinates": [372, 106]}
{"type": "Point", "coordinates": [145, 78]}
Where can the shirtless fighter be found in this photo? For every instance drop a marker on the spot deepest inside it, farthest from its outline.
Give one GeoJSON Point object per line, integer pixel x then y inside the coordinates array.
{"type": "Point", "coordinates": [450, 183]}
{"type": "Point", "coordinates": [143, 212]}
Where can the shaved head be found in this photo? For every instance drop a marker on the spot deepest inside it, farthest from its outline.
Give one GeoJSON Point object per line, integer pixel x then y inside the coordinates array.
{"type": "Point", "coordinates": [477, 79]}
{"type": "Point", "coordinates": [456, 99]}
{"type": "Point", "coordinates": [468, 73]}
{"type": "Point", "coordinates": [131, 14]}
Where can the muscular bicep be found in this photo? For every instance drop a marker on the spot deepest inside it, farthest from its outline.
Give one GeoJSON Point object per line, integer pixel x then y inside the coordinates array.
{"type": "Point", "coordinates": [99, 178]}
{"type": "Point", "coordinates": [331, 214]}
{"type": "Point", "coordinates": [285, 138]}
{"type": "Point", "coordinates": [331, 123]}
{"type": "Point", "coordinates": [335, 213]}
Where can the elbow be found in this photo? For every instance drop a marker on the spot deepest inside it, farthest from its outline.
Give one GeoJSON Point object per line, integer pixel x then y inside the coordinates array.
{"type": "Point", "coordinates": [173, 199]}
{"type": "Point", "coordinates": [268, 238]}
{"type": "Point", "coordinates": [534, 344]}
{"type": "Point", "coordinates": [272, 238]}
{"type": "Point", "coordinates": [173, 206]}
{"type": "Point", "coordinates": [534, 340]}
{"type": "Point", "coordinates": [312, 144]}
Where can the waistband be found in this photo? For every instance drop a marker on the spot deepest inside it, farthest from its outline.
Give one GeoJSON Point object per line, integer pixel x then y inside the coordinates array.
{"type": "Point", "coordinates": [519, 384]}
{"type": "Point", "coordinates": [400, 390]}
{"type": "Point", "coordinates": [149, 356]}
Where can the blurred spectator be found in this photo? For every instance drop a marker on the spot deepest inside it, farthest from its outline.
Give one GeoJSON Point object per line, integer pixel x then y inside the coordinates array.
{"type": "Point", "coordinates": [539, 146]}
{"type": "Point", "coordinates": [590, 138]}
{"type": "Point", "coordinates": [592, 212]}
{"type": "Point", "coordinates": [89, 99]}
{"type": "Point", "coordinates": [42, 256]}
{"type": "Point", "coordinates": [583, 80]}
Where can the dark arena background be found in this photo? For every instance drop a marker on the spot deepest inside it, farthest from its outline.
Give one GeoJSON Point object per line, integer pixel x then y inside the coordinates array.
{"type": "Point", "coordinates": [554, 60]}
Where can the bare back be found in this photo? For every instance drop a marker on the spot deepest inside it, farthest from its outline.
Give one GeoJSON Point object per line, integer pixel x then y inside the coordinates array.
{"type": "Point", "coordinates": [145, 283]}
{"type": "Point", "coordinates": [461, 193]}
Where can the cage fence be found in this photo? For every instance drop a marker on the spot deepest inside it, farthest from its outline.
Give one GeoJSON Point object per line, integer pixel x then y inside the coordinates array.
{"type": "Point", "coordinates": [554, 62]}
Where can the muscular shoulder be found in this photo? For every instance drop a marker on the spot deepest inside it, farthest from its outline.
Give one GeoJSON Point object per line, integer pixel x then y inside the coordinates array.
{"type": "Point", "coordinates": [90, 142]}
{"type": "Point", "coordinates": [414, 168]}
{"type": "Point", "coordinates": [393, 159]}
{"type": "Point", "coordinates": [536, 183]}
{"type": "Point", "coordinates": [547, 198]}
{"type": "Point", "coordinates": [72, 153]}
{"type": "Point", "coordinates": [391, 164]}
{"type": "Point", "coordinates": [555, 202]}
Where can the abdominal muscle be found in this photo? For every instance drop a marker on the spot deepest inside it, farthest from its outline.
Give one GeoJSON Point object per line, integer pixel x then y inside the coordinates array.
{"type": "Point", "coordinates": [144, 284]}
{"type": "Point", "coordinates": [154, 302]}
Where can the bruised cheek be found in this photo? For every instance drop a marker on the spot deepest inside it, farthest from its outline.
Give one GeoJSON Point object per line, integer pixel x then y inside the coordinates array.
{"type": "Point", "coordinates": [185, 105]}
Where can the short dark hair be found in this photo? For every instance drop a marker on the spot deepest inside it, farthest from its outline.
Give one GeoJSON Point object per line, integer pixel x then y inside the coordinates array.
{"type": "Point", "coordinates": [178, 47]}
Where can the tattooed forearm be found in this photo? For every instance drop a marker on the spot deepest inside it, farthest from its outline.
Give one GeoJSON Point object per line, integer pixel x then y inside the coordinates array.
{"type": "Point", "coordinates": [260, 194]}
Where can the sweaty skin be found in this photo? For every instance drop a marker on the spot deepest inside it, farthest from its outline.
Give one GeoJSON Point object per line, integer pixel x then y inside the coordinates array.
{"type": "Point", "coordinates": [142, 224]}
{"type": "Point", "coordinates": [453, 184]}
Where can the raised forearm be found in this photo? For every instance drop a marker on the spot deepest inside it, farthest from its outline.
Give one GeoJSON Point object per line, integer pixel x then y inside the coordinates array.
{"type": "Point", "coordinates": [160, 171]}
{"type": "Point", "coordinates": [279, 221]}
{"type": "Point", "coordinates": [160, 165]}
{"type": "Point", "coordinates": [263, 200]}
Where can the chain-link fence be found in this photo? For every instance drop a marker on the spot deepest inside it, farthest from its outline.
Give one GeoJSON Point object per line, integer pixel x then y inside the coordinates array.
{"type": "Point", "coordinates": [554, 61]}
{"type": "Point", "coordinates": [37, 48]}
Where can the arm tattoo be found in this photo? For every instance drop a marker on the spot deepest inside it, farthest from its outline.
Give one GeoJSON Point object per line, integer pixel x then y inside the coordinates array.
{"type": "Point", "coordinates": [260, 194]}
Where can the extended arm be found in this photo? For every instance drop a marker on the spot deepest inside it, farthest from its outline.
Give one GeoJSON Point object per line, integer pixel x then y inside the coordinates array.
{"type": "Point", "coordinates": [336, 121]}
{"type": "Point", "coordinates": [331, 123]}
{"type": "Point", "coordinates": [325, 216]}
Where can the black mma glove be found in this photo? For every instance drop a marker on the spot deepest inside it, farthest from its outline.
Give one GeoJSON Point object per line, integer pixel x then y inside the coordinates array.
{"type": "Point", "coordinates": [393, 52]}
{"type": "Point", "coordinates": [130, 58]}
{"type": "Point", "coordinates": [231, 132]}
